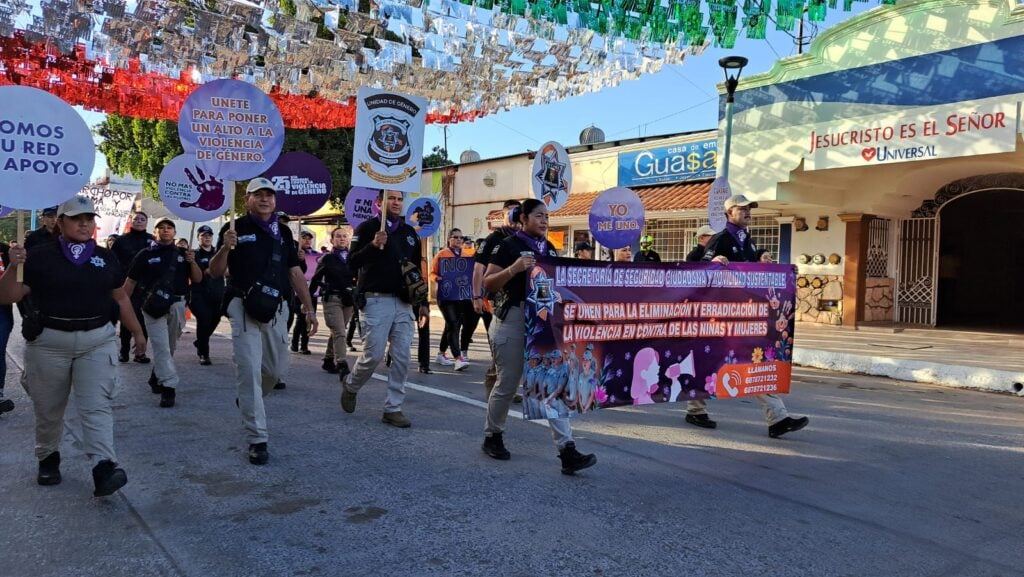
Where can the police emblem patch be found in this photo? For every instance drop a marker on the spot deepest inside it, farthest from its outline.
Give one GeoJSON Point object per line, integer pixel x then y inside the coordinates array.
{"type": "Point", "coordinates": [389, 142]}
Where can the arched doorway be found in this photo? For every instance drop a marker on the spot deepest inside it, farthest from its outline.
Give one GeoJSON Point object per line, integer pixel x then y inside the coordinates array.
{"type": "Point", "coordinates": [981, 258]}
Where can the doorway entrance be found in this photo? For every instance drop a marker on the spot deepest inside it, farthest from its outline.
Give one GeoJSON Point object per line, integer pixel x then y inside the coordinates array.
{"type": "Point", "coordinates": [981, 261]}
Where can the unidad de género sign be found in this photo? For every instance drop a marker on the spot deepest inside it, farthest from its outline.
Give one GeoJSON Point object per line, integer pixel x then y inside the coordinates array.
{"type": "Point", "coordinates": [676, 163]}
{"type": "Point", "coordinates": [962, 129]}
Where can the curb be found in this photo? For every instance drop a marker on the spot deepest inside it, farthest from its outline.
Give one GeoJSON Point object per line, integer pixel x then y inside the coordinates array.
{"type": "Point", "coordinates": [947, 375]}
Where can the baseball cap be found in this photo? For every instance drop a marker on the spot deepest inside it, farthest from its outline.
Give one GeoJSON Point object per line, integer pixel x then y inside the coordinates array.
{"type": "Point", "coordinates": [74, 206]}
{"type": "Point", "coordinates": [260, 184]}
{"type": "Point", "coordinates": [739, 200]}
{"type": "Point", "coordinates": [306, 234]}
{"type": "Point", "coordinates": [51, 210]}
{"type": "Point", "coordinates": [205, 230]}
{"type": "Point", "coordinates": [165, 221]}
{"type": "Point", "coordinates": [582, 246]}
{"type": "Point", "coordinates": [705, 231]}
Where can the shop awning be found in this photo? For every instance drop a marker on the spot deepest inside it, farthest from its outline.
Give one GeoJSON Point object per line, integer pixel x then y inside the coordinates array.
{"type": "Point", "coordinates": [656, 199]}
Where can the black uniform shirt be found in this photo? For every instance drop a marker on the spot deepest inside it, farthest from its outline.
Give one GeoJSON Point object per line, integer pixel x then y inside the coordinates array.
{"type": "Point", "coordinates": [483, 252]}
{"type": "Point", "coordinates": [506, 253]}
{"type": "Point", "coordinates": [696, 255]}
{"type": "Point", "coordinates": [647, 256]}
{"type": "Point", "coordinates": [333, 276]}
{"type": "Point", "coordinates": [213, 286]}
{"type": "Point", "coordinates": [380, 271]}
{"type": "Point", "coordinates": [128, 245]}
{"type": "Point", "coordinates": [64, 290]}
{"type": "Point", "coordinates": [724, 243]}
{"type": "Point", "coordinates": [151, 264]}
{"type": "Point", "coordinates": [252, 256]}
{"type": "Point", "coordinates": [39, 237]}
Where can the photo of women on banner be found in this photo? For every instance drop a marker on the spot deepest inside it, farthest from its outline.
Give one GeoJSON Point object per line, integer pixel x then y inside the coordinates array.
{"type": "Point", "coordinates": [602, 335]}
{"type": "Point", "coordinates": [388, 150]}
{"type": "Point", "coordinates": [303, 183]}
{"type": "Point", "coordinates": [617, 218]}
{"type": "Point", "coordinates": [361, 204]}
{"type": "Point", "coordinates": [424, 215]}
{"type": "Point", "coordinates": [231, 129]}
{"type": "Point", "coordinates": [552, 175]}
{"type": "Point", "coordinates": [46, 149]}
{"type": "Point", "coordinates": [190, 193]}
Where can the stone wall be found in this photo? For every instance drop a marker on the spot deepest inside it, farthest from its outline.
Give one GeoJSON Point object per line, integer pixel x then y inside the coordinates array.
{"type": "Point", "coordinates": [878, 299]}
{"type": "Point", "coordinates": [809, 297]}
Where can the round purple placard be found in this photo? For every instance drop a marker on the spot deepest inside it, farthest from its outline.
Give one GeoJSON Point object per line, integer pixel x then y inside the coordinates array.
{"type": "Point", "coordinates": [302, 181]}
{"type": "Point", "coordinates": [361, 204]}
{"type": "Point", "coordinates": [233, 129]}
{"type": "Point", "coordinates": [424, 215]}
{"type": "Point", "coordinates": [617, 218]}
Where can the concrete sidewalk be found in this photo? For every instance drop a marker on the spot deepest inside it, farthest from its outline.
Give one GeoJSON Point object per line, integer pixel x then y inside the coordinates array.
{"type": "Point", "coordinates": [974, 360]}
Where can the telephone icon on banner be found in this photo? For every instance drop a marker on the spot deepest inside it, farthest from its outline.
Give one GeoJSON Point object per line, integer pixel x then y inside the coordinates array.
{"type": "Point", "coordinates": [730, 378]}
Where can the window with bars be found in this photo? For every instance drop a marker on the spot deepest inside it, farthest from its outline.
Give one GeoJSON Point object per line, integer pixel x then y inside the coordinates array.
{"type": "Point", "coordinates": [673, 239]}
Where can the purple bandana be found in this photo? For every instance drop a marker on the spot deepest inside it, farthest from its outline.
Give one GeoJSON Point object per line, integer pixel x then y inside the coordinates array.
{"type": "Point", "coordinates": [739, 233]}
{"type": "Point", "coordinates": [270, 227]}
{"type": "Point", "coordinates": [393, 225]}
{"type": "Point", "coordinates": [342, 254]}
{"type": "Point", "coordinates": [77, 253]}
{"type": "Point", "coordinates": [536, 245]}
{"type": "Point", "coordinates": [456, 251]}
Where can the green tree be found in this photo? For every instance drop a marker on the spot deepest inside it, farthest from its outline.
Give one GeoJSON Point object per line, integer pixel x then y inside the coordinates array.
{"type": "Point", "coordinates": [437, 157]}
{"type": "Point", "coordinates": [141, 148]}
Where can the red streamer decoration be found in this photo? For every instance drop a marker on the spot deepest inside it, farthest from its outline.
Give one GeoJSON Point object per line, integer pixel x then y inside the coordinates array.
{"type": "Point", "coordinates": [131, 92]}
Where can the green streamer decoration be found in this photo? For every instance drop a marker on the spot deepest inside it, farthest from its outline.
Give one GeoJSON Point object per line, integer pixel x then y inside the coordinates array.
{"type": "Point", "coordinates": [816, 10]}
{"type": "Point", "coordinates": [755, 18]}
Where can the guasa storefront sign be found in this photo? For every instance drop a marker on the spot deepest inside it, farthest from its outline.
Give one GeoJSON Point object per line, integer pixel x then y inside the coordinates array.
{"type": "Point", "coordinates": [946, 132]}
{"type": "Point", "coordinates": [675, 163]}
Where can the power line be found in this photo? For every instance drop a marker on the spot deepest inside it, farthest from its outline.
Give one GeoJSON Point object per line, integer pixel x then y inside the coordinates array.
{"type": "Point", "coordinates": [526, 136]}
{"type": "Point", "coordinates": [667, 116]}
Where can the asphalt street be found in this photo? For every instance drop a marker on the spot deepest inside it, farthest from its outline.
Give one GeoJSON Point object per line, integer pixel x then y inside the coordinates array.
{"type": "Point", "coordinates": [889, 479]}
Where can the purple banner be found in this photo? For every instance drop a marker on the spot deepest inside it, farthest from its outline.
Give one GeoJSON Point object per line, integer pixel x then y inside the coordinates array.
{"type": "Point", "coordinates": [602, 335]}
{"type": "Point", "coordinates": [302, 181]}
{"type": "Point", "coordinates": [455, 278]}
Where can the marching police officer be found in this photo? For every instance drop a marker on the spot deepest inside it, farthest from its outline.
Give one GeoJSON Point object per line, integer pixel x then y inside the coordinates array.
{"type": "Point", "coordinates": [125, 248]}
{"type": "Point", "coordinates": [47, 232]}
{"type": "Point", "coordinates": [71, 343]}
{"type": "Point", "coordinates": [510, 263]}
{"type": "Point", "coordinates": [387, 315]}
{"type": "Point", "coordinates": [734, 244]}
{"type": "Point", "coordinates": [335, 281]}
{"type": "Point", "coordinates": [264, 269]}
{"type": "Point", "coordinates": [163, 271]}
{"type": "Point", "coordinates": [205, 298]}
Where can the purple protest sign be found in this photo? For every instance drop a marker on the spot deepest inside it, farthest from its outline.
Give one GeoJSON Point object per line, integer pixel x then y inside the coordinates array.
{"type": "Point", "coordinates": [455, 278]}
{"type": "Point", "coordinates": [361, 204]}
{"type": "Point", "coordinates": [46, 149]}
{"type": "Point", "coordinates": [233, 129]}
{"type": "Point", "coordinates": [303, 183]}
{"type": "Point", "coordinates": [617, 217]}
{"type": "Point", "coordinates": [424, 215]}
{"type": "Point", "coordinates": [192, 194]}
{"type": "Point", "coordinates": [608, 334]}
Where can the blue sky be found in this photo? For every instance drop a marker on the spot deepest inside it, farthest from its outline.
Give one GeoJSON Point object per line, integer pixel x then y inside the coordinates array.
{"type": "Point", "coordinates": [677, 99]}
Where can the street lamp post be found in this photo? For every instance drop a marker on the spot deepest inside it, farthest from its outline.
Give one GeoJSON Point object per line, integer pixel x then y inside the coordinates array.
{"type": "Point", "coordinates": [720, 189]}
